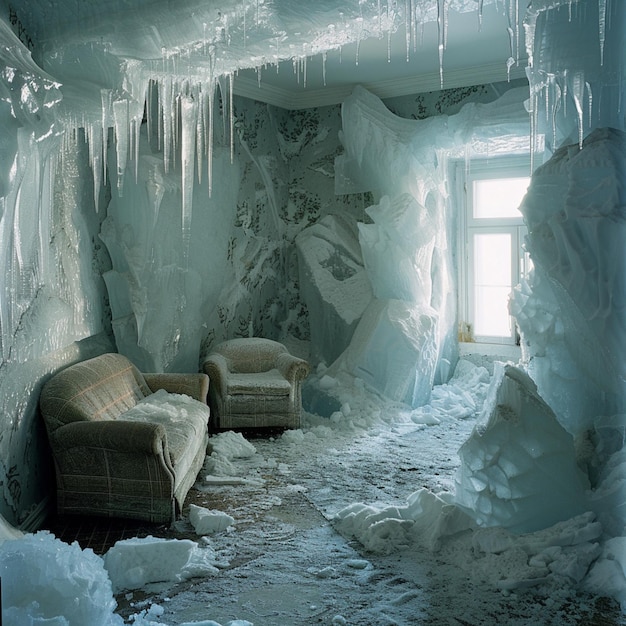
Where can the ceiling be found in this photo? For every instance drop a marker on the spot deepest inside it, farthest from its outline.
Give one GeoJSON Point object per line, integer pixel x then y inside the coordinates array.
{"type": "Point", "coordinates": [311, 53]}
{"type": "Point", "coordinates": [476, 52]}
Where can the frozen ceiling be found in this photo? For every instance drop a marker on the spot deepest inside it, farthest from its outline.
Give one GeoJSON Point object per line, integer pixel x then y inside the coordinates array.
{"type": "Point", "coordinates": [286, 52]}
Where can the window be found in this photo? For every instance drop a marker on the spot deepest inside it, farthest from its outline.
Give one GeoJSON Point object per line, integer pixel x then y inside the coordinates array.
{"type": "Point", "coordinates": [492, 259]}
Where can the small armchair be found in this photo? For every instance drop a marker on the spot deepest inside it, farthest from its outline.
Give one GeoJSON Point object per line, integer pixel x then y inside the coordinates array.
{"type": "Point", "coordinates": [255, 383]}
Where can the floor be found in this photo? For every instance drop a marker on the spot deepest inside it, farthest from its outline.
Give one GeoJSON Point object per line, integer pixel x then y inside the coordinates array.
{"type": "Point", "coordinates": [283, 563]}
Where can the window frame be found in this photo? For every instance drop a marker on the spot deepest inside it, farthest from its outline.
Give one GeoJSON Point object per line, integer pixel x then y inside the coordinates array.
{"type": "Point", "coordinates": [465, 174]}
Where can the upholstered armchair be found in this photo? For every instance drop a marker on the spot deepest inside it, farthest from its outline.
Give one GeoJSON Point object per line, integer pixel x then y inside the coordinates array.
{"type": "Point", "coordinates": [255, 383]}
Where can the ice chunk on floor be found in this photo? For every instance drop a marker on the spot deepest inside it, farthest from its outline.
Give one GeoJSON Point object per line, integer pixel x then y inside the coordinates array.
{"type": "Point", "coordinates": [136, 562]}
{"type": "Point", "coordinates": [333, 283]}
{"type": "Point", "coordinates": [518, 467]}
{"type": "Point", "coordinates": [394, 350]}
{"type": "Point", "coordinates": [208, 522]}
{"type": "Point", "coordinates": [45, 580]}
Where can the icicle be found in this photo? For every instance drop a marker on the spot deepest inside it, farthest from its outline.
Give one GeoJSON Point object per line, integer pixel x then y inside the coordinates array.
{"type": "Point", "coordinates": [199, 97]}
{"type": "Point", "coordinates": [95, 141]}
{"type": "Point", "coordinates": [407, 29]}
{"type": "Point", "coordinates": [304, 70]}
{"type": "Point", "coordinates": [167, 111]}
{"type": "Point", "coordinates": [442, 24]}
{"type": "Point", "coordinates": [602, 27]}
{"type": "Point", "coordinates": [555, 108]}
{"type": "Point", "coordinates": [209, 144]}
{"type": "Point", "coordinates": [480, 14]}
{"type": "Point", "coordinates": [188, 113]}
{"type": "Point", "coordinates": [105, 98]}
{"type": "Point", "coordinates": [324, 57]}
{"type": "Point", "coordinates": [578, 89]}
{"type": "Point", "coordinates": [231, 116]}
{"type": "Point", "coordinates": [590, 102]}
{"type": "Point", "coordinates": [509, 64]}
{"type": "Point", "coordinates": [121, 122]}
{"type": "Point", "coordinates": [359, 38]}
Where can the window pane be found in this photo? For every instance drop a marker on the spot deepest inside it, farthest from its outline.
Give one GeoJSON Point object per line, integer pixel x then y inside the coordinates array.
{"type": "Point", "coordinates": [492, 284]}
{"type": "Point", "coordinates": [499, 197]}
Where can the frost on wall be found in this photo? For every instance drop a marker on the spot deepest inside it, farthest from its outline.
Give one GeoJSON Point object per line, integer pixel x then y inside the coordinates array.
{"type": "Point", "coordinates": [53, 296]}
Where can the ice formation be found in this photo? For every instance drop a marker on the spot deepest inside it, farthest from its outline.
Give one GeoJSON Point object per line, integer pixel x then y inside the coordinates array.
{"type": "Point", "coordinates": [394, 349]}
{"type": "Point", "coordinates": [518, 467]}
{"type": "Point", "coordinates": [207, 522]}
{"type": "Point", "coordinates": [571, 311]}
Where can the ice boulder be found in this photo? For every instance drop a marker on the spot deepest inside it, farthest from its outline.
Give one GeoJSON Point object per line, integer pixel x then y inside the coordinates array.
{"type": "Point", "coordinates": [518, 467]}
{"type": "Point", "coordinates": [394, 350]}
{"type": "Point", "coordinates": [47, 581]}
{"type": "Point", "coordinates": [333, 284]}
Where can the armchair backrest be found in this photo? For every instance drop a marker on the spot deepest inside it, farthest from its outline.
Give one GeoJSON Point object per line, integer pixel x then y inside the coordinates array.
{"type": "Point", "coordinates": [101, 388]}
{"type": "Point", "coordinates": [249, 355]}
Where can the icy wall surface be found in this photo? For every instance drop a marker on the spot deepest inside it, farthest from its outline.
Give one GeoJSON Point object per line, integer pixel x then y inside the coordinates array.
{"type": "Point", "coordinates": [571, 313]}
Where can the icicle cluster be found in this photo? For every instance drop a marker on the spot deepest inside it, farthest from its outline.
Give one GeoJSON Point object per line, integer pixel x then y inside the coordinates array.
{"type": "Point", "coordinates": [190, 78]}
{"type": "Point", "coordinates": [568, 73]}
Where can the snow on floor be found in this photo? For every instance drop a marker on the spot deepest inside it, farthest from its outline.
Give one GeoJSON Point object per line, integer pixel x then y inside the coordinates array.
{"type": "Point", "coordinates": [271, 554]}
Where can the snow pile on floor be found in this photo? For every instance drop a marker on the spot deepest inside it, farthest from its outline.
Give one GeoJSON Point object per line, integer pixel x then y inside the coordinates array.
{"type": "Point", "coordinates": [44, 578]}
{"type": "Point", "coordinates": [460, 398]}
{"type": "Point", "coordinates": [426, 519]}
{"type": "Point", "coordinates": [224, 448]}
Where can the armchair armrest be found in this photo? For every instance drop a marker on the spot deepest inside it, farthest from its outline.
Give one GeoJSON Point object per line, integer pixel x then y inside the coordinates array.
{"type": "Point", "coordinates": [194, 385]}
{"type": "Point", "coordinates": [118, 435]}
{"type": "Point", "coordinates": [292, 367]}
{"type": "Point", "coordinates": [216, 367]}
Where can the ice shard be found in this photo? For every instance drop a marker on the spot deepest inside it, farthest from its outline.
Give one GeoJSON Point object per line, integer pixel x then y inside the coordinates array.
{"type": "Point", "coordinates": [394, 350]}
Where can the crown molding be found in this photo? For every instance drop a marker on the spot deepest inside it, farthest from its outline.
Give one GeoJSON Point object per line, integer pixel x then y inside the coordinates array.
{"type": "Point", "coordinates": [302, 98]}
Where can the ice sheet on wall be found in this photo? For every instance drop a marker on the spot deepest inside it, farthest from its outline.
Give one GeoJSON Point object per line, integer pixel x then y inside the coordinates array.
{"type": "Point", "coordinates": [52, 293]}
{"type": "Point", "coordinates": [163, 288]}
